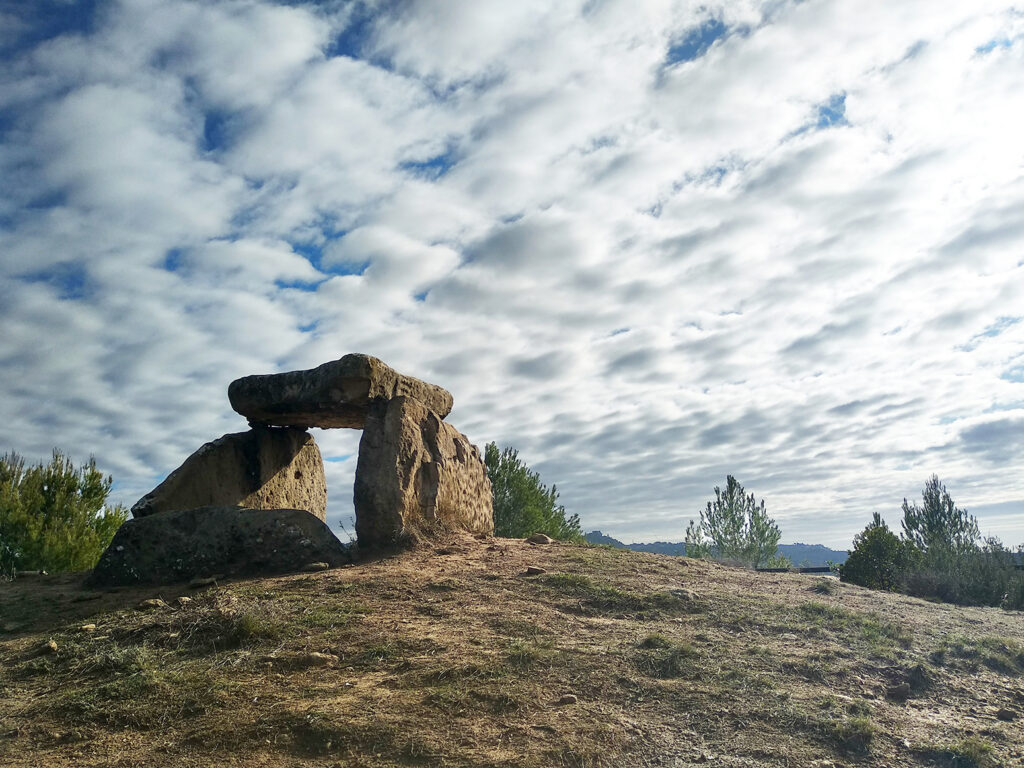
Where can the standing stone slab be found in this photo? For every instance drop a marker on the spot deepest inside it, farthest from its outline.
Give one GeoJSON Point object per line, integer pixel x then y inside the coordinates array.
{"type": "Point", "coordinates": [263, 468]}
{"type": "Point", "coordinates": [188, 543]}
{"type": "Point", "coordinates": [335, 394]}
{"type": "Point", "coordinates": [417, 474]}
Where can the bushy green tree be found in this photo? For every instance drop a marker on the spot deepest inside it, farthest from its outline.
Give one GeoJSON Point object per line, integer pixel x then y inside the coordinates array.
{"type": "Point", "coordinates": [879, 558]}
{"type": "Point", "coordinates": [735, 528]}
{"type": "Point", "coordinates": [940, 555]}
{"type": "Point", "coordinates": [53, 516]}
{"type": "Point", "coordinates": [523, 505]}
{"type": "Point", "coordinates": [938, 524]}
{"type": "Point", "coordinates": [984, 575]}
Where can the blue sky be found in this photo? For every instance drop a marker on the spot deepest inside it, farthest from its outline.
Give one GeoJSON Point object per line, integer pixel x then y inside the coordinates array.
{"type": "Point", "coordinates": [647, 244]}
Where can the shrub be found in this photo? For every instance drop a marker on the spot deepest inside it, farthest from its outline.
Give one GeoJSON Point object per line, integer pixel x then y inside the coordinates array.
{"type": "Point", "coordinates": [879, 559]}
{"type": "Point", "coordinates": [53, 516]}
{"type": "Point", "coordinates": [984, 575]}
{"type": "Point", "coordinates": [938, 557]}
{"type": "Point", "coordinates": [523, 505]}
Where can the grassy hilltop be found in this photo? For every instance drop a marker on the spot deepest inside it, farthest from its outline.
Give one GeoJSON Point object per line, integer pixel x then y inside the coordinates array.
{"type": "Point", "coordinates": [451, 656]}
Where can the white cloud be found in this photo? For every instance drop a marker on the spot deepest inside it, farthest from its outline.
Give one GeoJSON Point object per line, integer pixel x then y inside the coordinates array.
{"type": "Point", "coordinates": [643, 274]}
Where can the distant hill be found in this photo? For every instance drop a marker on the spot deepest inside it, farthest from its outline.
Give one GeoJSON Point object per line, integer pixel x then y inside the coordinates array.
{"type": "Point", "coordinates": [799, 554]}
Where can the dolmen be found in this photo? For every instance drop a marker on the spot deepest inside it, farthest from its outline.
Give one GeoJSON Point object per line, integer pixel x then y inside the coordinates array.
{"type": "Point", "coordinates": [256, 501]}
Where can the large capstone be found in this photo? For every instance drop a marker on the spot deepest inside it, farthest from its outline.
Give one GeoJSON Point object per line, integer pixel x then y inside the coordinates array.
{"type": "Point", "coordinates": [264, 468]}
{"type": "Point", "coordinates": [417, 475]}
{"type": "Point", "coordinates": [335, 394]}
{"type": "Point", "coordinates": [181, 545]}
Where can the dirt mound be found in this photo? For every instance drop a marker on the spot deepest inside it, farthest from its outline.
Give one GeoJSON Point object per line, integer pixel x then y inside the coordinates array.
{"type": "Point", "coordinates": [452, 655]}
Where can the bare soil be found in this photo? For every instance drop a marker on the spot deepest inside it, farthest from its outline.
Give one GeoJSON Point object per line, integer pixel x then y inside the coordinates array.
{"type": "Point", "coordinates": [450, 655]}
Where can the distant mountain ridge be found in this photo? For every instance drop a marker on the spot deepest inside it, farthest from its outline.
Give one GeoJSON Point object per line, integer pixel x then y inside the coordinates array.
{"type": "Point", "coordinates": [799, 554]}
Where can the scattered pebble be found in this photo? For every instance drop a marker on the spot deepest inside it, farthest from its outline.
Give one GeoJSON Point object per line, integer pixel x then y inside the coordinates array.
{"type": "Point", "coordinates": [204, 581]}
{"type": "Point", "coordinates": [539, 538]}
{"type": "Point", "coordinates": [316, 659]}
{"type": "Point", "coordinates": [87, 628]}
{"type": "Point", "coordinates": [183, 601]}
{"type": "Point", "coordinates": [151, 604]}
{"type": "Point", "coordinates": [317, 566]}
{"type": "Point", "coordinates": [1006, 715]}
{"type": "Point", "coordinates": [685, 594]}
{"type": "Point", "coordinates": [534, 570]}
{"type": "Point", "coordinates": [567, 699]}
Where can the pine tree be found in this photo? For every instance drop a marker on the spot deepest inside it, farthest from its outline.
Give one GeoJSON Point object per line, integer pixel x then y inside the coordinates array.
{"type": "Point", "coordinates": [523, 505]}
{"type": "Point", "coordinates": [939, 525]}
{"type": "Point", "coordinates": [53, 516]}
{"type": "Point", "coordinates": [735, 528]}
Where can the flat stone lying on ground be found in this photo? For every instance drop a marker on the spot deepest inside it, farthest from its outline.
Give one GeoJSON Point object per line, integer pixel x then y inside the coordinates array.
{"type": "Point", "coordinates": [416, 475]}
{"type": "Point", "coordinates": [264, 468]}
{"type": "Point", "coordinates": [335, 394]}
{"type": "Point", "coordinates": [190, 543]}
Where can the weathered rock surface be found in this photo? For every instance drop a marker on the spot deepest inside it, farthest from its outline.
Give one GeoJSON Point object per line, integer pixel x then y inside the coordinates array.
{"type": "Point", "coordinates": [263, 468]}
{"type": "Point", "coordinates": [417, 474]}
{"type": "Point", "coordinates": [335, 394]}
{"type": "Point", "coordinates": [185, 544]}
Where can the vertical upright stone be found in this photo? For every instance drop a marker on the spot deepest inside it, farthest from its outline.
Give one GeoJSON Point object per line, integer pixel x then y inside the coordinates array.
{"type": "Point", "coordinates": [264, 468]}
{"type": "Point", "coordinates": [417, 475]}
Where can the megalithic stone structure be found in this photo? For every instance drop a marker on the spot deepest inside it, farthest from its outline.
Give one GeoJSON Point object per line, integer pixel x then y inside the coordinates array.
{"type": "Point", "coordinates": [264, 494]}
{"type": "Point", "coordinates": [227, 540]}
{"type": "Point", "coordinates": [415, 473]}
{"type": "Point", "coordinates": [335, 394]}
{"type": "Point", "coordinates": [259, 469]}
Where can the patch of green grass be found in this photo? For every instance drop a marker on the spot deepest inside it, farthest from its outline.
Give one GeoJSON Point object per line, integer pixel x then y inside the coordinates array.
{"type": "Point", "coordinates": [1000, 654]}
{"type": "Point", "coordinates": [136, 687]}
{"type": "Point", "coordinates": [510, 626]}
{"type": "Point", "coordinates": [383, 652]}
{"type": "Point", "coordinates": [859, 707]}
{"type": "Point", "coordinates": [314, 733]}
{"type": "Point", "coordinates": [524, 653]}
{"type": "Point", "coordinates": [741, 679]}
{"type": "Point", "coordinates": [451, 674]}
{"type": "Point", "coordinates": [598, 597]}
{"type": "Point", "coordinates": [459, 700]}
{"type": "Point", "coordinates": [330, 616]}
{"type": "Point", "coordinates": [444, 585]}
{"type": "Point", "coordinates": [665, 661]}
{"type": "Point", "coordinates": [851, 734]}
{"type": "Point", "coordinates": [825, 586]}
{"type": "Point", "coordinates": [970, 752]}
{"type": "Point", "coordinates": [812, 670]}
{"type": "Point", "coordinates": [656, 640]}
{"type": "Point", "coordinates": [880, 636]}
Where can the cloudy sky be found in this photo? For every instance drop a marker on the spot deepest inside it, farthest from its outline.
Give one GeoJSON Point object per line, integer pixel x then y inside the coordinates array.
{"type": "Point", "coordinates": [647, 244]}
